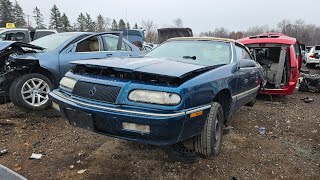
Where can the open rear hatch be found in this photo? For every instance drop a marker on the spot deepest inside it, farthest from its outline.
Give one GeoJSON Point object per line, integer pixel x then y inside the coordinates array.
{"type": "Point", "coordinates": [275, 60]}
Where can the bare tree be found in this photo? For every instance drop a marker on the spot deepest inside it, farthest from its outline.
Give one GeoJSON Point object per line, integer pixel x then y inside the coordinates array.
{"type": "Point", "coordinates": [108, 23]}
{"type": "Point", "coordinates": [151, 31]}
{"type": "Point", "coordinates": [178, 23]}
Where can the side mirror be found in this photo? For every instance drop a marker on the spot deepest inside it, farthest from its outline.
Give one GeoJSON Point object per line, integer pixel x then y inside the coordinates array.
{"type": "Point", "coordinates": [316, 55]}
{"type": "Point", "coordinates": [247, 63]}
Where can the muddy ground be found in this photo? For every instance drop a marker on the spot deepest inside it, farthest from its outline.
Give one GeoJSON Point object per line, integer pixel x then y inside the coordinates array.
{"type": "Point", "coordinates": [289, 150]}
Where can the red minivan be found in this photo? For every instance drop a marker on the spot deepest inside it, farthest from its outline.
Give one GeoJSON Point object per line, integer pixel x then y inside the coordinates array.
{"type": "Point", "coordinates": [281, 59]}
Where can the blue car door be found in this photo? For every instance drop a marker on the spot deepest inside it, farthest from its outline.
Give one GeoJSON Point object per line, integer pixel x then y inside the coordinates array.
{"type": "Point", "coordinates": [92, 47]}
{"type": "Point", "coordinates": [247, 78]}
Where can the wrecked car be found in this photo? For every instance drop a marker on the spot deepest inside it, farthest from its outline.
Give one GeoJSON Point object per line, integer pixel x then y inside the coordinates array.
{"type": "Point", "coordinates": [281, 59]}
{"type": "Point", "coordinates": [184, 90]}
{"type": "Point", "coordinates": [30, 71]}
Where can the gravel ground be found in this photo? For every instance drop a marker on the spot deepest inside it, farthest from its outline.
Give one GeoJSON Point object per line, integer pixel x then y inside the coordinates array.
{"type": "Point", "coordinates": [290, 149]}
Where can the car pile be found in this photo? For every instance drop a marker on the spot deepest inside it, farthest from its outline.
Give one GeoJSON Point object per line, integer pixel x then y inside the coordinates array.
{"type": "Point", "coordinates": [182, 92]}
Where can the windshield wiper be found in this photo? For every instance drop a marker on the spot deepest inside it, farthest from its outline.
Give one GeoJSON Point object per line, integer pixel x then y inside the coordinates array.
{"type": "Point", "coordinates": [190, 57]}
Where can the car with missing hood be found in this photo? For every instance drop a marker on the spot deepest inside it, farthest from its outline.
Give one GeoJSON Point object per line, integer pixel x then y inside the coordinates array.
{"type": "Point", "coordinates": [28, 72]}
{"type": "Point", "coordinates": [184, 90]}
{"type": "Point", "coordinates": [281, 59]}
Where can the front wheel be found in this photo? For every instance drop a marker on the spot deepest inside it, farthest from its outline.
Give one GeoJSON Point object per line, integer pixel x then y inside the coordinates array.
{"type": "Point", "coordinates": [31, 91]}
{"type": "Point", "coordinates": [209, 142]}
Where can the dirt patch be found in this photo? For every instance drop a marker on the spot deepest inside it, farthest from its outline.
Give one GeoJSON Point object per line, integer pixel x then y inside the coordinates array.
{"type": "Point", "coordinates": [289, 150]}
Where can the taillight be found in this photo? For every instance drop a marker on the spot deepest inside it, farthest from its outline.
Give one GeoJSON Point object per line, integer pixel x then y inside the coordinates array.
{"type": "Point", "coordinates": [311, 56]}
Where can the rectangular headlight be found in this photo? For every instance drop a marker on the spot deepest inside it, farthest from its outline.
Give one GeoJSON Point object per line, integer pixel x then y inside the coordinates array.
{"type": "Point", "coordinates": [68, 82]}
{"type": "Point", "coordinates": [154, 97]}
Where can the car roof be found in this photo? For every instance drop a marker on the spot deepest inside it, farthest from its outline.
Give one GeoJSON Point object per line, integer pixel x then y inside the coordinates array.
{"type": "Point", "coordinates": [201, 39]}
{"type": "Point", "coordinates": [277, 38]}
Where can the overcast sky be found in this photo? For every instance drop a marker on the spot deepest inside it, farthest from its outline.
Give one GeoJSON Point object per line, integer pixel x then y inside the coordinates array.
{"type": "Point", "coordinates": [200, 15]}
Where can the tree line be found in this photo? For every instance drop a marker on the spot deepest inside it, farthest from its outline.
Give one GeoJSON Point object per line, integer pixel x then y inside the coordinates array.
{"type": "Point", "coordinates": [308, 34]}
{"type": "Point", "coordinates": [13, 13]}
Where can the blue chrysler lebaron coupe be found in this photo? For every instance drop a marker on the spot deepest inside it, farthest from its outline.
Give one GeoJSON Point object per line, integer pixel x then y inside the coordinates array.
{"type": "Point", "coordinates": [184, 90]}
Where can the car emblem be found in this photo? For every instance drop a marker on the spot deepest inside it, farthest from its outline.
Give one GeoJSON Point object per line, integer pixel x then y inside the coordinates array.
{"type": "Point", "coordinates": [92, 91]}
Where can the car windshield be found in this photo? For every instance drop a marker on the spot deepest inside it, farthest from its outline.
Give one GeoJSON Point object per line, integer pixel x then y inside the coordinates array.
{"type": "Point", "coordinates": [205, 53]}
{"type": "Point", "coordinates": [53, 41]}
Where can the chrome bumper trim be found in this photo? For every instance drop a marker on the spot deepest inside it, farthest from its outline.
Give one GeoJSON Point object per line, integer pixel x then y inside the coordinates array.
{"type": "Point", "coordinates": [185, 112]}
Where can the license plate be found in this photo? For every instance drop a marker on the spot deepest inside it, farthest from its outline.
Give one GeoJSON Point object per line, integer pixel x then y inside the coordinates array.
{"type": "Point", "coordinates": [80, 119]}
{"type": "Point", "coordinates": [55, 106]}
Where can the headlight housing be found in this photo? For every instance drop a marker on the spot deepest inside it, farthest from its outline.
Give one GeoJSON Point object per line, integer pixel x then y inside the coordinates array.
{"type": "Point", "coordinates": [68, 82]}
{"type": "Point", "coordinates": [155, 97]}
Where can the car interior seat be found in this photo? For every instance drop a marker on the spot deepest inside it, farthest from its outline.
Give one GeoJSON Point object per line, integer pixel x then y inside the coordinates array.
{"type": "Point", "coordinates": [94, 45]}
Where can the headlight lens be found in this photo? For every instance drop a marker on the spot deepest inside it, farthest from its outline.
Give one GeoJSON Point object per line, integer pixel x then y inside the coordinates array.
{"type": "Point", "coordinates": [68, 82]}
{"type": "Point", "coordinates": [154, 97]}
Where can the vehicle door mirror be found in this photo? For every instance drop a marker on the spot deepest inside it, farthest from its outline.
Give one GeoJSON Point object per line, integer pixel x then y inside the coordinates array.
{"type": "Point", "coordinates": [316, 55]}
{"type": "Point", "coordinates": [247, 63]}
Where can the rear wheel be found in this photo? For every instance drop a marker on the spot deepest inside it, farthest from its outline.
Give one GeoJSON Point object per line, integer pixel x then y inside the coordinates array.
{"type": "Point", "coordinates": [209, 142]}
{"type": "Point", "coordinates": [31, 92]}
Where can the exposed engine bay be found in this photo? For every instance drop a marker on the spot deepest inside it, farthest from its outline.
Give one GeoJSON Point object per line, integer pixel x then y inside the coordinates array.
{"type": "Point", "coordinates": [275, 61]}
{"type": "Point", "coordinates": [11, 65]}
{"type": "Point", "coordinates": [126, 74]}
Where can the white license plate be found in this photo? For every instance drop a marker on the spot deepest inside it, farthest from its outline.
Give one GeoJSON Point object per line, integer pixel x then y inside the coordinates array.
{"type": "Point", "coordinates": [55, 106]}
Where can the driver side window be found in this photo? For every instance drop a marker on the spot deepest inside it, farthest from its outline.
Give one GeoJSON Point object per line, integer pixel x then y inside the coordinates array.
{"type": "Point", "coordinates": [89, 45]}
{"type": "Point", "coordinates": [242, 53]}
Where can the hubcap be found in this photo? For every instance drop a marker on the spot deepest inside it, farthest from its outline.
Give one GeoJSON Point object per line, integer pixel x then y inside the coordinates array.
{"type": "Point", "coordinates": [35, 92]}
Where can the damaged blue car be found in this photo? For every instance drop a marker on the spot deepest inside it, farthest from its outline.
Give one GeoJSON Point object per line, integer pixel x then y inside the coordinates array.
{"type": "Point", "coordinates": [183, 91]}
{"type": "Point", "coordinates": [28, 72]}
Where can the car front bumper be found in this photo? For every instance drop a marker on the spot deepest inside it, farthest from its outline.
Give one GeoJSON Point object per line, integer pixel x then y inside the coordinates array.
{"type": "Point", "coordinates": [165, 128]}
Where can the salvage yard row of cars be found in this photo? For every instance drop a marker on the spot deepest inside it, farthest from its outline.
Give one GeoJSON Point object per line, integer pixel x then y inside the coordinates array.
{"type": "Point", "coordinates": [183, 91]}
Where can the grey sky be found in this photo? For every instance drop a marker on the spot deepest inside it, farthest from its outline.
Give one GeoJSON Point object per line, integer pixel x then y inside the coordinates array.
{"type": "Point", "coordinates": [200, 15]}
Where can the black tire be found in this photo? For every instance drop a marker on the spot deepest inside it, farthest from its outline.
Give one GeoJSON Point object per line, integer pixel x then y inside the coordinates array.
{"type": "Point", "coordinates": [209, 142]}
{"type": "Point", "coordinates": [16, 95]}
{"type": "Point", "coordinates": [12, 91]}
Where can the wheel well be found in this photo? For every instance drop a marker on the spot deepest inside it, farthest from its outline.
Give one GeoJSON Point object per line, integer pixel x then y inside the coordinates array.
{"type": "Point", "coordinates": [224, 99]}
{"type": "Point", "coordinates": [46, 73]}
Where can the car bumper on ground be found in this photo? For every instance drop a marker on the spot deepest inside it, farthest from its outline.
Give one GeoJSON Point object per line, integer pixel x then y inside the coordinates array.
{"type": "Point", "coordinates": [157, 128]}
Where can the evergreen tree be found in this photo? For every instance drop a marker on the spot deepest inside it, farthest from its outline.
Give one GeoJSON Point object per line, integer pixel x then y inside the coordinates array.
{"type": "Point", "coordinates": [6, 12]}
{"type": "Point", "coordinates": [55, 18]}
{"type": "Point", "coordinates": [81, 22]}
{"type": "Point", "coordinates": [90, 24]}
{"type": "Point", "coordinates": [65, 23]}
{"type": "Point", "coordinates": [18, 15]}
{"type": "Point", "coordinates": [121, 24]}
{"type": "Point", "coordinates": [101, 24]}
{"type": "Point", "coordinates": [38, 17]}
{"type": "Point", "coordinates": [135, 26]}
{"type": "Point", "coordinates": [128, 25]}
{"type": "Point", "coordinates": [114, 25]}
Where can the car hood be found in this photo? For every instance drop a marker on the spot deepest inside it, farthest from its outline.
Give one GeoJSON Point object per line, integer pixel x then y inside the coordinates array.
{"type": "Point", "coordinates": [158, 66]}
{"type": "Point", "coordinates": [6, 44]}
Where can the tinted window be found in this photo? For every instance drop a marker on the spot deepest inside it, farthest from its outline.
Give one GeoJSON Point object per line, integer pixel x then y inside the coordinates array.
{"type": "Point", "coordinates": [53, 41]}
{"type": "Point", "coordinates": [242, 53]}
{"type": "Point", "coordinates": [40, 34]}
{"type": "Point", "coordinates": [297, 50]}
{"type": "Point", "coordinates": [207, 53]}
{"type": "Point", "coordinates": [14, 36]}
{"type": "Point", "coordinates": [317, 49]}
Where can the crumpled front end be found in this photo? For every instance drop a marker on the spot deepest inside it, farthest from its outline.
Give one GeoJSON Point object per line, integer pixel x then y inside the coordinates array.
{"type": "Point", "coordinates": [11, 63]}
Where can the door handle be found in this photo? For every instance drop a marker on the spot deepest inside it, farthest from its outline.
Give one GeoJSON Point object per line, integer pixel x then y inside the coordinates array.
{"type": "Point", "coordinates": [108, 55]}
